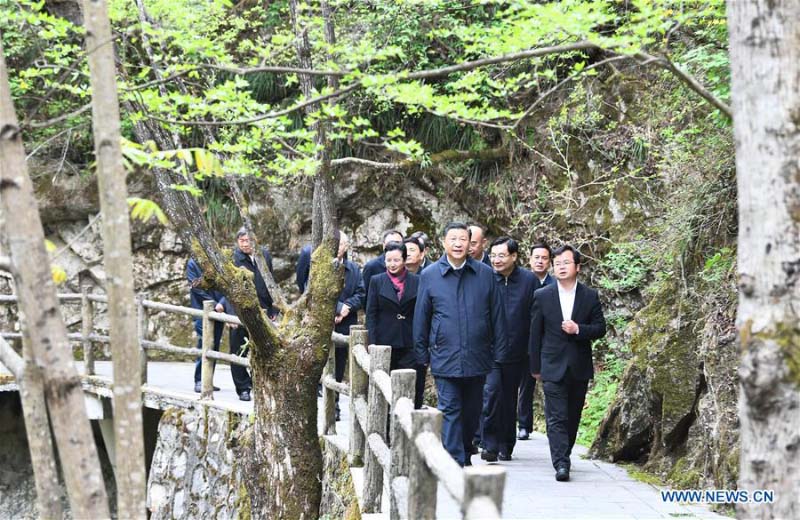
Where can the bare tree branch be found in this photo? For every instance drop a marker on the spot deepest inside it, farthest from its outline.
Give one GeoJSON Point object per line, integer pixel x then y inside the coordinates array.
{"type": "Point", "coordinates": [437, 158]}
{"type": "Point", "coordinates": [5, 263]}
{"type": "Point", "coordinates": [276, 70]}
{"type": "Point", "coordinates": [12, 361]}
{"type": "Point", "coordinates": [689, 80]}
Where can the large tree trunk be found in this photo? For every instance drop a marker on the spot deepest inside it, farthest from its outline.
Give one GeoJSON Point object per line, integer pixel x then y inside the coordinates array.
{"type": "Point", "coordinates": [765, 66]}
{"type": "Point", "coordinates": [118, 260]}
{"type": "Point", "coordinates": [48, 335]}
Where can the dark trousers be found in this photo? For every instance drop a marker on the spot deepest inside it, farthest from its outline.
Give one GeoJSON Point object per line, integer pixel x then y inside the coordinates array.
{"type": "Point", "coordinates": [563, 404]}
{"type": "Point", "coordinates": [405, 358]}
{"type": "Point", "coordinates": [499, 412]}
{"type": "Point", "coordinates": [460, 404]}
{"type": "Point", "coordinates": [198, 328]}
{"type": "Point", "coordinates": [241, 377]}
{"type": "Point", "coordinates": [525, 407]}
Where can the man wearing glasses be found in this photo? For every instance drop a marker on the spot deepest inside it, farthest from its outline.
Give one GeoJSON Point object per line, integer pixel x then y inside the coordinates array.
{"type": "Point", "coordinates": [540, 265]}
{"type": "Point", "coordinates": [567, 317]}
{"type": "Point", "coordinates": [516, 287]}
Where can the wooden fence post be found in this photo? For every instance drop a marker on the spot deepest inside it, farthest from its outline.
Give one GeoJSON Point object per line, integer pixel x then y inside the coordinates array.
{"type": "Point", "coordinates": [403, 384]}
{"type": "Point", "coordinates": [207, 364]}
{"type": "Point", "coordinates": [482, 483]}
{"type": "Point", "coordinates": [87, 326]}
{"type": "Point", "coordinates": [422, 483]}
{"type": "Point", "coordinates": [377, 409]}
{"type": "Point", "coordinates": [142, 329]}
{"type": "Point", "coordinates": [328, 395]}
{"type": "Point", "coordinates": [359, 382]}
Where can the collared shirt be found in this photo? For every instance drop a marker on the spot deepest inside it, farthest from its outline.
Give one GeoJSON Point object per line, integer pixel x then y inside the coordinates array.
{"type": "Point", "coordinates": [567, 300]}
{"type": "Point", "coordinates": [456, 268]}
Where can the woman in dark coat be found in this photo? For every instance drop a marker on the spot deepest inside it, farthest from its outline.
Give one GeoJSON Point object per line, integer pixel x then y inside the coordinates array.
{"type": "Point", "coordinates": [391, 299]}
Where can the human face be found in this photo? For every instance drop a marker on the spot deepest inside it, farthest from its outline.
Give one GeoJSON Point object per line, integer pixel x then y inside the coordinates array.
{"type": "Point", "coordinates": [540, 261]}
{"type": "Point", "coordinates": [344, 244]}
{"type": "Point", "coordinates": [565, 268]}
{"type": "Point", "coordinates": [413, 255]}
{"type": "Point", "coordinates": [394, 262]}
{"type": "Point", "coordinates": [456, 244]}
{"type": "Point", "coordinates": [502, 261]}
{"type": "Point", "coordinates": [245, 244]}
{"type": "Point", "coordinates": [393, 237]}
{"type": "Point", "coordinates": [477, 243]}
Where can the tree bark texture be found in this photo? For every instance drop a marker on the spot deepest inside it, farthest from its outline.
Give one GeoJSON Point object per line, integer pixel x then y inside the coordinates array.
{"type": "Point", "coordinates": [118, 261]}
{"type": "Point", "coordinates": [48, 335]}
{"type": "Point", "coordinates": [765, 66]}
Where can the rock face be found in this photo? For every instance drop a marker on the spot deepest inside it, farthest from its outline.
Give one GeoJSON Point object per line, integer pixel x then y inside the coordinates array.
{"type": "Point", "coordinates": [194, 473]}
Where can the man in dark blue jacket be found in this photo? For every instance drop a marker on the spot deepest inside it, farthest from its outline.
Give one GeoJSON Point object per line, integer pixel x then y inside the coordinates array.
{"type": "Point", "coordinates": [458, 325]}
{"type": "Point", "coordinates": [377, 265]}
{"type": "Point", "coordinates": [567, 317]}
{"type": "Point", "coordinates": [540, 266]}
{"type": "Point", "coordinates": [477, 244]}
{"type": "Point", "coordinates": [243, 257]}
{"type": "Point", "coordinates": [303, 268]}
{"type": "Point", "coordinates": [516, 286]}
{"type": "Point", "coordinates": [350, 301]}
{"type": "Point", "coordinates": [197, 295]}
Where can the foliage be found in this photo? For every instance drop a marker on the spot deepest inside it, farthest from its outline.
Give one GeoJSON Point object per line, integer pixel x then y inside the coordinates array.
{"type": "Point", "coordinates": [378, 45]}
{"type": "Point", "coordinates": [602, 393]}
{"type": "Point", "coordinates": [144, 210]}
{"type": "Point", "coordinates": [625, 267]}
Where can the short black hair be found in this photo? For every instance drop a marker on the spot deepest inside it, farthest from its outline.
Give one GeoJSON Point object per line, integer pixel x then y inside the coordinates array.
{"type": "Point", "coordinates": [423, 238]}
{"type": "Point", "coordinates": [416, 241]}
{"type": "Point", "coordinates": [456, 225]}
{"type": "Point", "coordinates": [396, 246]}
{"type": "Point", "coordinates": [511, 244]}
{"type": "Point", "coordinates": [576, 255]}
{"type": "Point", "coordinates": [542, 245]}
{"type": "Point", "coordinates": [391, 232]}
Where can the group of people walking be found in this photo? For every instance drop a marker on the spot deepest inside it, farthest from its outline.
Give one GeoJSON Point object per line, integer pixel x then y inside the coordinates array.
{"type": "Point", "coordinates": [486, 328]}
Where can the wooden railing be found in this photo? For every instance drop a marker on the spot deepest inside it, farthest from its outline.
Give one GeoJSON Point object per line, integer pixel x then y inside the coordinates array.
{"type": "Point", "coordinates": [411, 466]}
{"type": "Point", "coordinates": [87, 337]}
{"type": "Point", "coordinates": [407, 460]}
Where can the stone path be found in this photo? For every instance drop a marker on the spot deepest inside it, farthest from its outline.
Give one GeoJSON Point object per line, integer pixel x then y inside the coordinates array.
{"type": "Point", "coordinates": [597, 490]}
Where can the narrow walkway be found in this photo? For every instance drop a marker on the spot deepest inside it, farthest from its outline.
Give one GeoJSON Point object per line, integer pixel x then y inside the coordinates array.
{"type": "Point", "coordinates": [597, 490]}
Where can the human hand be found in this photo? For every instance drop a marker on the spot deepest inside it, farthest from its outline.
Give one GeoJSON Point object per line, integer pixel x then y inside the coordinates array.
{"type": "Point", "coordinates": [537, 377]}
{"type": "Point", "coordinates": [345, 311]}
{"type": "Point", "coordinates": [219, 307]}
{"type": "Point", "coordinates": [569, 326]}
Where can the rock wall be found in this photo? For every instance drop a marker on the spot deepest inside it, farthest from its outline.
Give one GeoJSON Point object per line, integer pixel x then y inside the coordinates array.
{"type": "Point", "coordinates": [196, 472]}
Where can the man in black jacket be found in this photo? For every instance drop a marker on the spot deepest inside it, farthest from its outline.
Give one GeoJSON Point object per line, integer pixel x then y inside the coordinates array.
{"type": "Point", "coordinates": [567, 317]}
{"type": "Point", "coordinates": [516, 286]}
{"type": "Point", "coordinates": [350, 301]}
{"type": "Point", "coordinates": [540, 266]}
{"type": "Point", "coordinates": [377, 265]}
{"type": "Point", "coordinates": [243, 257]}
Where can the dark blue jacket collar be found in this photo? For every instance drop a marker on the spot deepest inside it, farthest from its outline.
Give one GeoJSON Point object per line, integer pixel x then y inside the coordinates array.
{"type": "Point", "coordinates": [444, 264]}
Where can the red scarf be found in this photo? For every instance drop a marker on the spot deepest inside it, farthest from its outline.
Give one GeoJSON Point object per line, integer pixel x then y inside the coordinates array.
{"type": "Point", "coordinates": [399, 282]}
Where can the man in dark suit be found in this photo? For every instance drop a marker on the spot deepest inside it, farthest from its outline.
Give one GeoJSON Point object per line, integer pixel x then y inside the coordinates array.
{"type": "Point", "coordinates": [197, 295]}
{"type": "Point", "coordinates": [378, 265]}
{"type": "Point", "coordinates": [477, 244]}
{"type": "Point", "coordinates": [567, 317]}
{"type": "Point", "coordinates": [243, 256]}
{"type": "Point", "coordinates": [540, 266]}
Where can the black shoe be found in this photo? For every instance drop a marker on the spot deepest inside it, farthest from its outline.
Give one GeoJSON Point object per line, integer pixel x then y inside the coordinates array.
{"type": "Point", "coordinates": [467, 462]}
{"type": "Point", "coordinates": [523, 434]}
{"type": "Point", "coordinates": [337, 415]}
{"type": "Point", "coordinates": [562, 474]}
{"type": "Point", "coordinates": [489, 456]}
{"type": "Point", "coordinates": [473, 449]}
{"type": "Point", "coordinates": [244, 396]}
{"type": "Point", "coordinates": [504, 456]}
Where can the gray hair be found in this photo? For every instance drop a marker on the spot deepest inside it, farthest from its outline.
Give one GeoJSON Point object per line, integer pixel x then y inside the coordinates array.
{"type": "Point", "coordinates": [242, 232]}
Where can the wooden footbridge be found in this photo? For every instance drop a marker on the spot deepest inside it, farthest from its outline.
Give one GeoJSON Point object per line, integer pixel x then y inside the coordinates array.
{"type": "Point", "coordinates": [400, 470]}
